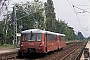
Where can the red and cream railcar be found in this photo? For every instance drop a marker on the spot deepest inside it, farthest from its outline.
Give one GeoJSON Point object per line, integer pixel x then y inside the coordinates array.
{"type": "Point", "coordinates": [40, 41]}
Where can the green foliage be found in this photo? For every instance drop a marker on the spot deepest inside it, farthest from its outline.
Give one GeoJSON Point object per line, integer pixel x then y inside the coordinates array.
{"type": "Point", "coordinates": [2, 32]}
{"type": "Point", "coordinates": [50, 16]}
{"type": "Point", "coordinates": [30, 13]}
{"type": "Point", "coordinates": [88, 38]}
{"type": "Point", "coordinates": [4, 46]}
{"type": "Point", "coordinates": [80, 36]}
{"type": "Point", "coordinates": [6, 33]}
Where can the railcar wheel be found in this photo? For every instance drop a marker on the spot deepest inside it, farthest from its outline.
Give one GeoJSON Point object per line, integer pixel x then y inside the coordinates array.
{"type": "Point", "coordinates": [20, 53]}
{"type": "Point", "coordinates": [24, 54]}
{"type": "Point", "coordinates": [62, 48]}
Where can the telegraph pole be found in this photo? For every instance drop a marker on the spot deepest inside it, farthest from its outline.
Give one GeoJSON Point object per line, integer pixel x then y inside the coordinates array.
{"type": "Point", "coordinates": [15, 26]}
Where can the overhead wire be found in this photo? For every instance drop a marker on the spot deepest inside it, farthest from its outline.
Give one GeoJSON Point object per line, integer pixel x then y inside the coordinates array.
{"type": "Point", "coordinates": [75, 12]}
{"type": "Point", "coordinates": [82, 5]}
{"type": "Point", "coordinates": [71, 4]}
{"type": "Point", "coordinates": [81, 9]}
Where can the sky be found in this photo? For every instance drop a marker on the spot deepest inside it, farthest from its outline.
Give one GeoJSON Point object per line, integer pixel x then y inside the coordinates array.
{"type": "Point", "coordinates": [65, 11]}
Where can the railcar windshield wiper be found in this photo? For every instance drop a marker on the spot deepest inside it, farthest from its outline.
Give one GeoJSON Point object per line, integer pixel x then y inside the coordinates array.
{"type": "Point", "coordinates": [31, 36]}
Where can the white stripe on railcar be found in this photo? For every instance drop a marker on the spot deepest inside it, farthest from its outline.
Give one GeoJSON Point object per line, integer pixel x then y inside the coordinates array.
{"type": "Point", "coordinates": [41, 31]}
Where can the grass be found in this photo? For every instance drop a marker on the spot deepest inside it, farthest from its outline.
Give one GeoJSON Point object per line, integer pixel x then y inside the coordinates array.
{"type": "Point", "coordinates": [7, 46]}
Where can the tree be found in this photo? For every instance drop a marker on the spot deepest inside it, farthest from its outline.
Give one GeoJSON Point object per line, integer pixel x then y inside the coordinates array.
{"type": "Point", "coordinates": [30, 14]}
{"type": "Point", "coordinates": [88, 38]}
{"type": "Point", "coordinates": [50, 16]}
{"type": "Point", "coordinates": [80, 36]}
{"type": "Point", "coordinates": [2, 33]}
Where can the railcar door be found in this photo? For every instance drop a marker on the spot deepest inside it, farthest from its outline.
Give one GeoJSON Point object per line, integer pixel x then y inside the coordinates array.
{"type": "Point", "coordinates": [46, 43]}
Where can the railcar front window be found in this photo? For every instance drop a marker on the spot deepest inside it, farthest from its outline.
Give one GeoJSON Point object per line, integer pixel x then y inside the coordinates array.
{"type": "Point", "coordinates": [24, 37]}
{"type": "Point", "coordinates": [39, 37]}
{"type": "Point", "coordinates": [31, 37]}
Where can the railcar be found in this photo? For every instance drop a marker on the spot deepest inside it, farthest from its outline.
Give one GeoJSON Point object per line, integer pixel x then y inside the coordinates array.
{"type": "Point", "coordinates": [40, 41]}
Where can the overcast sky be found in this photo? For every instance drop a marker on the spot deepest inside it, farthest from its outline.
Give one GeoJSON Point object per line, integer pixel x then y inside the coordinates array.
{"type": "Point", "coordinates": [65, 11]}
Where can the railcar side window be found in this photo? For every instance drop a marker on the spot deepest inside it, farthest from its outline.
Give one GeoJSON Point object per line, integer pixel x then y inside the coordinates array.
{"type": "Point", "coordinates": [31, 37]}
{"type": "Point", "coordinates": [23, 37]}
{"type": "Point", "coordinates": [39, 37]}
{"type": "Point", "coordinates": [62, 38]}
{"type": "Point", "coordinates": [51, 37]}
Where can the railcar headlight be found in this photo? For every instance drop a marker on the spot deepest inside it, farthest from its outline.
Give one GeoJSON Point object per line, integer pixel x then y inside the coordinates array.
{"type": "Point", "coordinates": [40, 45]}
{"type": "Point", "coordinates": [21, 44]}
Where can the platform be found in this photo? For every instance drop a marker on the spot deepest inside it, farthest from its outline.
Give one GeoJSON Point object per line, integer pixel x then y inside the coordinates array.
{"type": "Point", "coordinates": [83, 56]}
{"type": "Point", "coordinates": [8, 53]}
{"type": "Point", "coordinates": [8, 50]}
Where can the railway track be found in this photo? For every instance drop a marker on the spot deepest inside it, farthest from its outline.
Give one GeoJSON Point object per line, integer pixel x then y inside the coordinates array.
{"type": "Point", "coordinates": [72, 52]}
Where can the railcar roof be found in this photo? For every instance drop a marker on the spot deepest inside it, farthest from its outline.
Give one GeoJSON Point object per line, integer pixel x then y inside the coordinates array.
{"type": "Point", "coordinates": [41, 31]}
